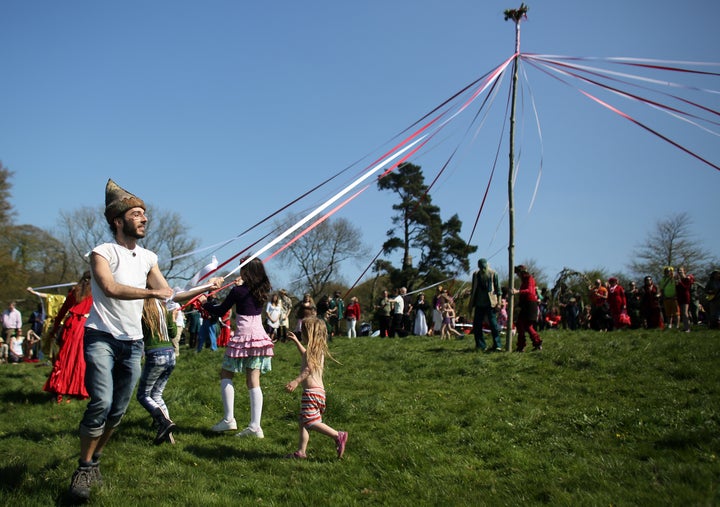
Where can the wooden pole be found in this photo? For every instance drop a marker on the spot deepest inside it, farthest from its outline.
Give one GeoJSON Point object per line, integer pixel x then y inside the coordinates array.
{"type": "Point", "coordinates": [516, 15]}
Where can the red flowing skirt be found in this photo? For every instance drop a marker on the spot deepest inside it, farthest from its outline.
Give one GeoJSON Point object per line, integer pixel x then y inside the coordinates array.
{"type": "Point", "coordinates": [68, 374]}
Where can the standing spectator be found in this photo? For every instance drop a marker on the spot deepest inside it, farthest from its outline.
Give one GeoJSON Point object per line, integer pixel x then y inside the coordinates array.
{"type": "Point", "coordinates": [337, 306]}
{"type": "Point", "coordinates": [383, 310]}
{"type": "Point", "coordinates": [352, 313]}
{"type": "Point", "coordinates": [617, 303]}
{"type": "Point", "coordinates": [682, 292]}
{"type": "Point", "coordinates": [712, 300]}
{"type": "Point", "coordinates": [528, 309]}
{"type": "Point", "coordinates": [305, 308]}
{"type": "Point", "coordinates": [273, 314]}
{"type": "Point", "coordinates": [123, 275]}
{"type": "Point", "coordinates": [437, 305]}
{"type": "Point", "coordinates": [407, 324]}
{"type": "Point", "coordinates": [11, 322]}
{"type": "Point", "coordinates": [600, 313]}
{"type": "Point", "coordinates": [192, 318]}
{"type": "Point", "coordinates": [37, 320]}
{"type": "Point", "coordinates": [207, 335]}
{"type": "Point", "coordinates": [398, 312]}
{"type": "Point", "coordinates": [634, 301]}
{"type": "Point", "coordinates": [286, 308]}
{"type": "Point", "coordinates": [650, 304]}
{"type": "Point", "coordinates": [694, 303]}
{"type": "Point", "coordinates": [420, 327]}
{"type": "Point", "coordinates": [250, 349]}
{"type": "Point", "coordinates": [669, 298]}
{"type": "Point", "coordinates": [326, 313]}
{"type": "Point", "coordinates": [572, 312]}
{"type": "Point", "coordinates": [543, 302]}
{"type": "Point", "coordinates": [485, 302]}
{"type": "Point", "coordinates": [67, 377]}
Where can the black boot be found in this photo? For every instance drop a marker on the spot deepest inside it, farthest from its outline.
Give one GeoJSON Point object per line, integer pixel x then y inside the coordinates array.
{"type": "Point", "coordinates": [165, 426]}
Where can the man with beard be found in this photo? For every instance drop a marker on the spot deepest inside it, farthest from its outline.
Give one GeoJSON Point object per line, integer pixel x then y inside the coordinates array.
{"type": "Point", "coordinates": [123, 275]}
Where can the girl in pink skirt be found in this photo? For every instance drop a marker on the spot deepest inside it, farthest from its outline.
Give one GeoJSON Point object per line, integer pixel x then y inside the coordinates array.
{"type": "Point", "coordinates": [250, 349]}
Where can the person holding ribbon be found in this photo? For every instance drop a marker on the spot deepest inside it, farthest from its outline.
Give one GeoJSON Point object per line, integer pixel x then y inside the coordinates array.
{"type": "Point", "coordinates": [123, 275]}
{"type": "Point", "coordinates": [250, 349]}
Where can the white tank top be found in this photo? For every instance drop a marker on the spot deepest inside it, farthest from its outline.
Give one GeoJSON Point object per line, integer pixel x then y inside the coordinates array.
{"type": "Point", "coordinates": [119, 317]}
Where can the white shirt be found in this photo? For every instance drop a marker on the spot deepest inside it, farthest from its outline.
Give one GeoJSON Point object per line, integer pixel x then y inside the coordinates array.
{"type": "Point", "coordinates": [119, 317]}
{"type": "Point", "coordinates": [12, 319]}
{"type": "Point", "coordinates": [398, 304]}
{"type": "Point", "coordinates": [273, 312]}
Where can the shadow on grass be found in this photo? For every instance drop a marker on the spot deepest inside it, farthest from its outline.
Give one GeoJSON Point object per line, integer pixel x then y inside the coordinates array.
{"type": "Point", "coordinates": [34, 397]}
{"type": "Point", "coordinates": [12, 476]}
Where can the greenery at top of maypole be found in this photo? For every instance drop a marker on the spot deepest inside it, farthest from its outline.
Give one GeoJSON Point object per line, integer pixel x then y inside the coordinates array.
{"type": "Point", "coordinates": [516, 14]}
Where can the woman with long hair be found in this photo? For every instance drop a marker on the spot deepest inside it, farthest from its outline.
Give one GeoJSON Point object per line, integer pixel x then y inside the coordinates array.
{"type": "Point", "coordinates": [67, 377]}
{"type": "Point", "coordinates": [250, 349]}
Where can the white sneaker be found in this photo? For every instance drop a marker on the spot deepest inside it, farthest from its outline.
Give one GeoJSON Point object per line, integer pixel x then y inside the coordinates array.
{"type": "Point", "coordinates": [225, 426]}
{"type": "Point", "coordinates": [249, 432]}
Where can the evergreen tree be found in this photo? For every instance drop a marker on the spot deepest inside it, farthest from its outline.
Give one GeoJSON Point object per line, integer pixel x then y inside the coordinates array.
{"type": "Point", "coordinates": [419, 227]}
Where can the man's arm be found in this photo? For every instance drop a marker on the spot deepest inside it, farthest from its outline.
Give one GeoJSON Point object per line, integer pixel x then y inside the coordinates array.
{"type": "Point", "coordinates": [102, 274]}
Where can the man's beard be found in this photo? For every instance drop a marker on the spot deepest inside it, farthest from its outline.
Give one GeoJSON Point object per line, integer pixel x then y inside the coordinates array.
{"type": "Point", "coordinates": [131, 231]}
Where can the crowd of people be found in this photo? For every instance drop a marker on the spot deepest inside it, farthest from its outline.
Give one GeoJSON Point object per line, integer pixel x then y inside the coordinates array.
{"type": "Point", "coordinates": [676, 301]}
{"type": "Point", "coordinates": [122, 310]}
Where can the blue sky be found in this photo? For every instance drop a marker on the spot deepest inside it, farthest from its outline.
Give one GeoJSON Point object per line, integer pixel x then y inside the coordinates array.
{"type": "Point", "coordinates": [224, 111]}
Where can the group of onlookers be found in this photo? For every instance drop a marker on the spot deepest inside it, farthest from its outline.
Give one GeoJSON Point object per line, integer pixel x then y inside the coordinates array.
{"type": "Point", "coordinates": [675, 301]}
{"type": "Point", "coordinates": [16, 347]}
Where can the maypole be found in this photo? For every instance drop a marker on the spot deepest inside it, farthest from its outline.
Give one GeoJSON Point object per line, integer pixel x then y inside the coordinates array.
{"type": "Point", "coordinates": [516, 15]}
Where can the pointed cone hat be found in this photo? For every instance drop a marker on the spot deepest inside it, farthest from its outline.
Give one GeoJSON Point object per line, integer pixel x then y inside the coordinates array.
{"type": "Point", "coordinates": [118, 201]}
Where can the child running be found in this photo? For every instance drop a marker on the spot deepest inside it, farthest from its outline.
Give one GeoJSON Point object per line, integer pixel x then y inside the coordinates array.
{"type": "Point", "coordinates": [312, 406]}
{"type": "Point", "coordinates": [448, 322]}
{"type": "Point", "coordinates": [250, 349]}
{"type": "Point", "coordinates": [159, 328]}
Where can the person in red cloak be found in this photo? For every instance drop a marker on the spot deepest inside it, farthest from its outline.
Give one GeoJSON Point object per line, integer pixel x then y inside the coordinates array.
{"type": "Point", "coordinates": [528, 309]}
{"type": "Point", "coordinates": [67, 377]}
{"type": "Point", "coordinates": [617, 303]}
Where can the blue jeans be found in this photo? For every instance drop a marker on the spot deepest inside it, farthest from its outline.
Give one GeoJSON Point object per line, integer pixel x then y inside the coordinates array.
{"type": "Point", "coordinates": [159, 364]}
{"type": "Point", "coordinates": [208, 333]}
{"type": "Point", "coordinates": [111, 372]}
{"type": "Point", "coordinates": [480, 313]}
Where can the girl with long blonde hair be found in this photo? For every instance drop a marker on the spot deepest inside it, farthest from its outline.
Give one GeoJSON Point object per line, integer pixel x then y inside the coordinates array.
{"type": "Point", "coordinates": [314, 331]}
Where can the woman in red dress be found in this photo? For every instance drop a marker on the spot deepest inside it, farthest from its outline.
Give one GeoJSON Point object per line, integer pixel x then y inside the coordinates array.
{"type": "Point", "coordinates": [67, 377]}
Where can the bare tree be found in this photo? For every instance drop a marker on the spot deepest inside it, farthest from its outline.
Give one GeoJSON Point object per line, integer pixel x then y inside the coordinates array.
{"type": "Point", "coordinates": [670, 244]}
{"type": "Point", "coordinates": [316, 256]}
{"type": "Point", "coordinates": [84, 228]}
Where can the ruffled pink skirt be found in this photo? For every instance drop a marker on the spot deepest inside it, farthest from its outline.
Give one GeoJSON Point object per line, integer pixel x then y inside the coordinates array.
{"type": "Point", "coordinates": [249, 339]}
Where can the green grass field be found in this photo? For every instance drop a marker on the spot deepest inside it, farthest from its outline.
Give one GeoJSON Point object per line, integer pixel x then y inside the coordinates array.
{"type": "Point", "coordinates": [599, 419]}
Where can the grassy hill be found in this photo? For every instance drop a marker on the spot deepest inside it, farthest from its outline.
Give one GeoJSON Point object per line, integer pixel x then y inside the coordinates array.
{"type": "Point", "coordinates": [623, 418]}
